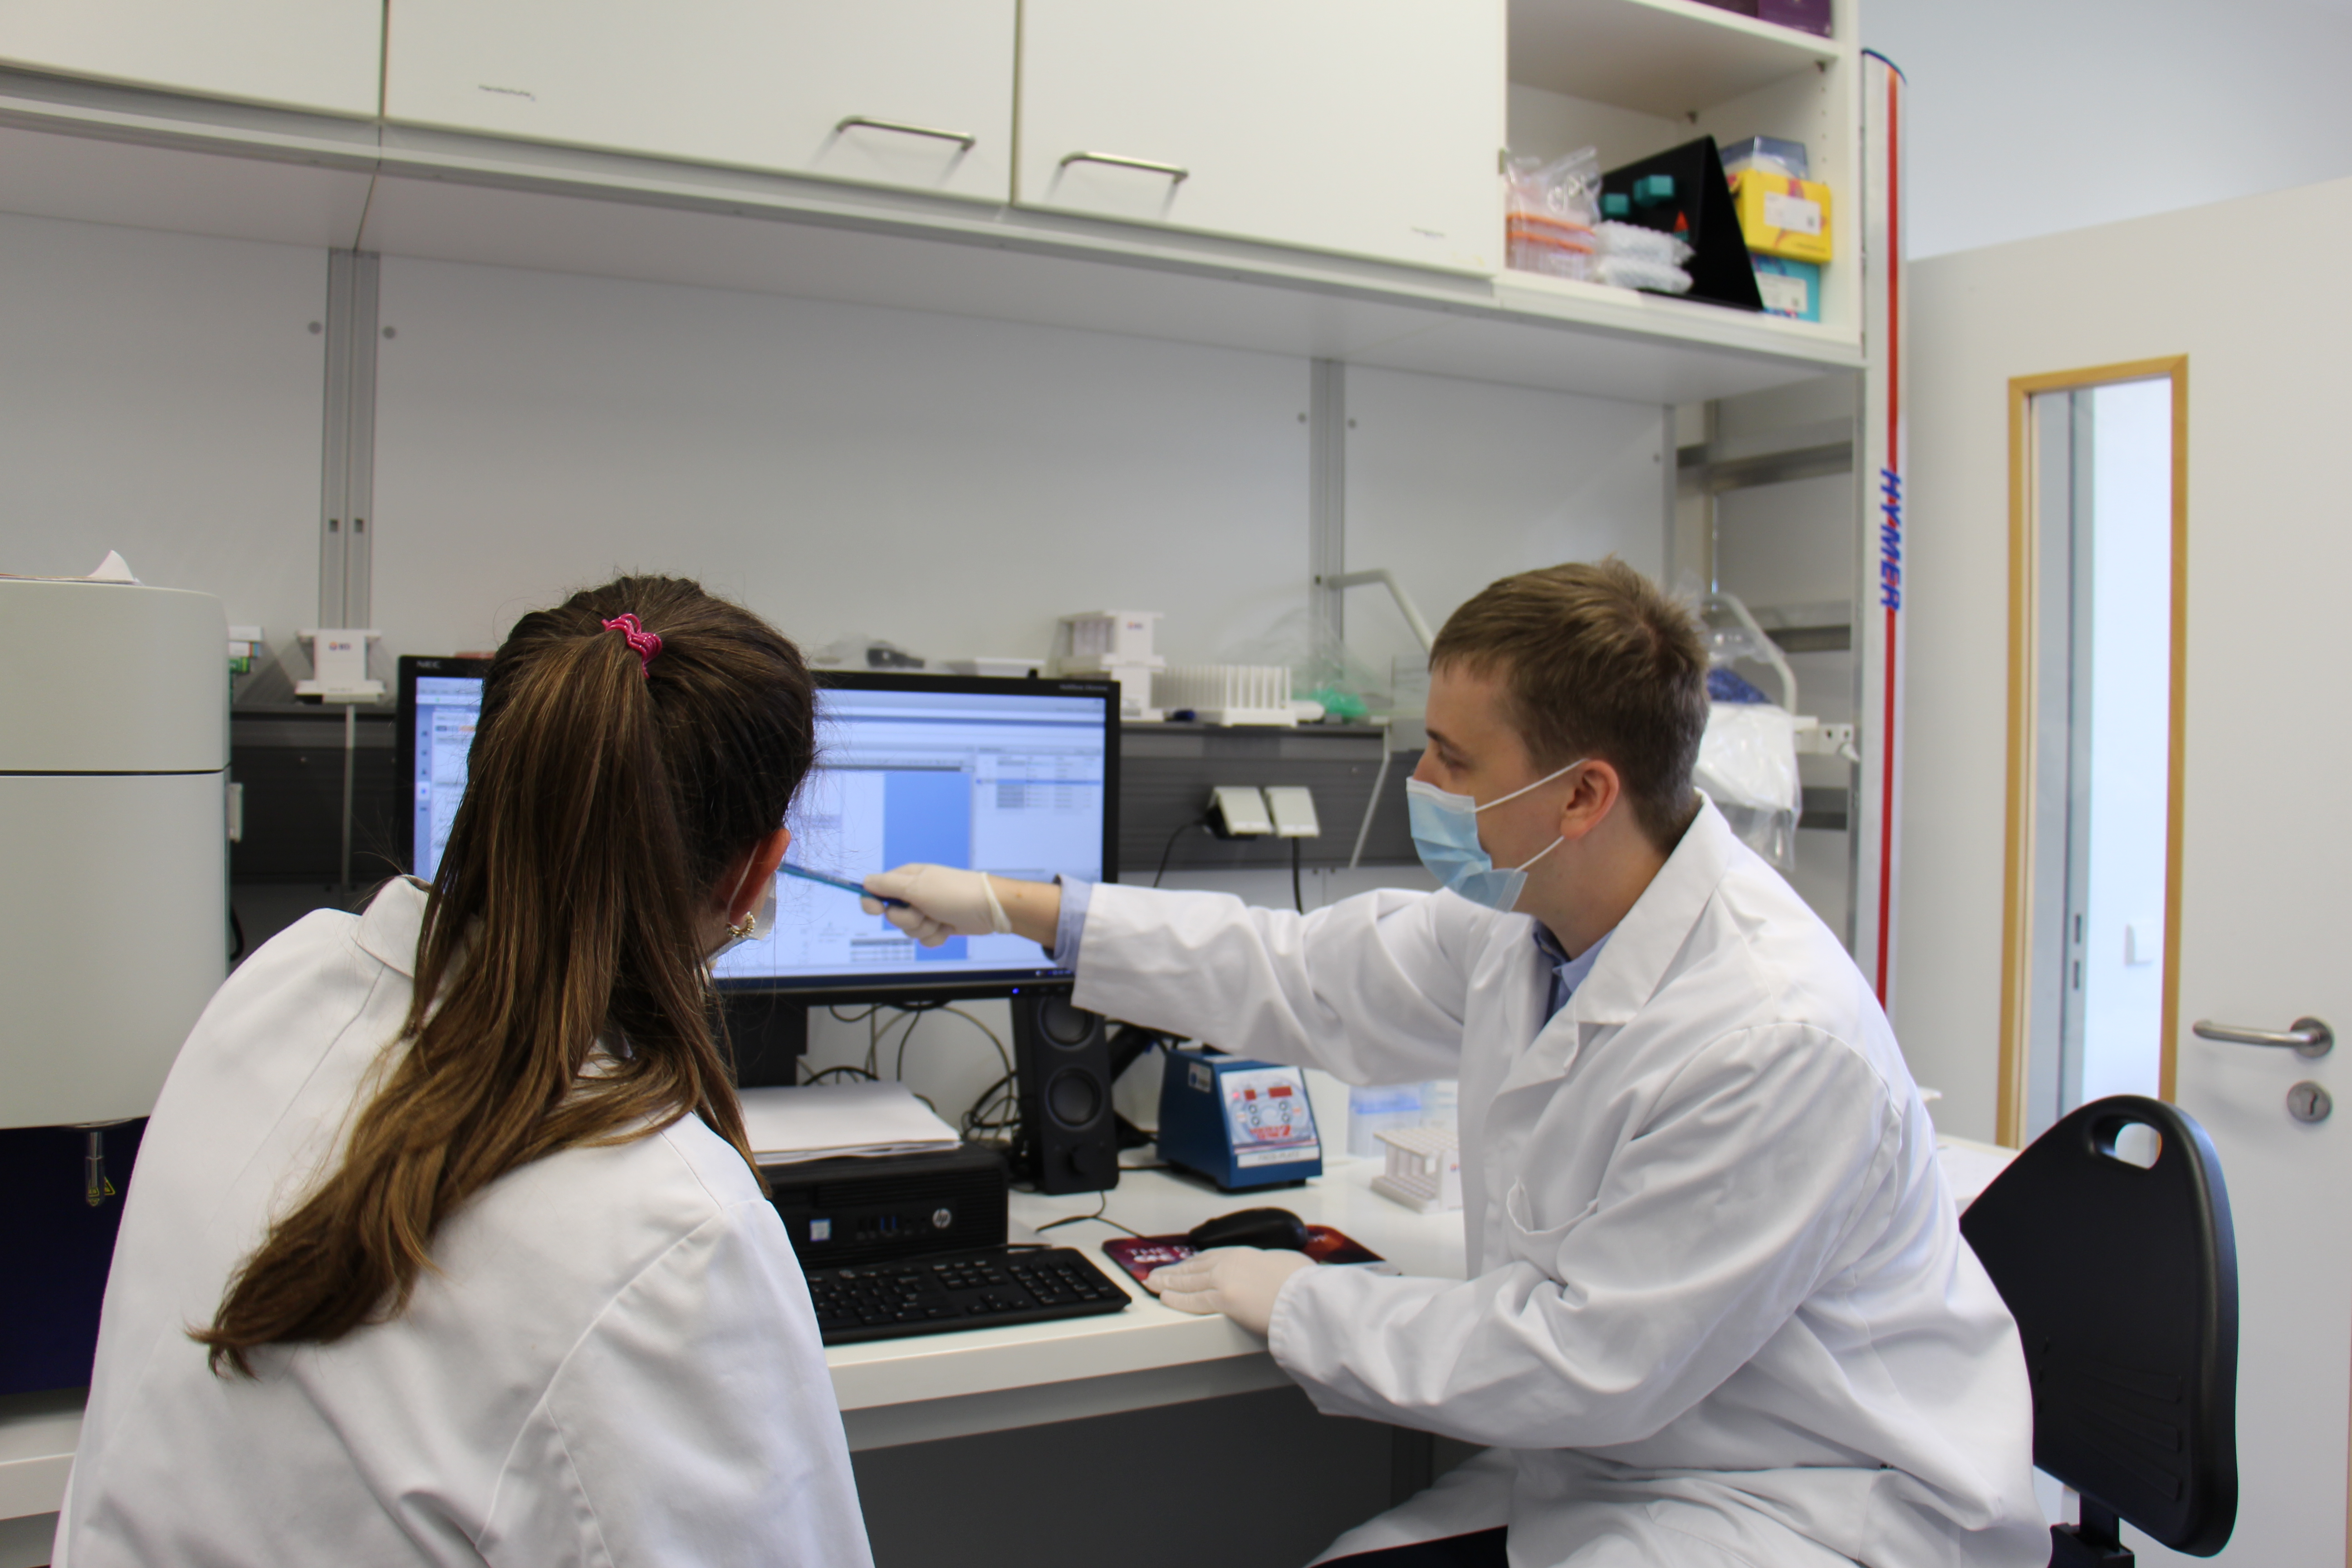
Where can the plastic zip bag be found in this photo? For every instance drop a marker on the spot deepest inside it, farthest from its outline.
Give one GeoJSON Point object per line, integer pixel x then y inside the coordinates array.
{"type": "Point", "coordinates": [1633, 257]}
{"type": "Point", "coordinates": [1748, 756]}
{"type": "Point", "coordinates": [1548, 212]}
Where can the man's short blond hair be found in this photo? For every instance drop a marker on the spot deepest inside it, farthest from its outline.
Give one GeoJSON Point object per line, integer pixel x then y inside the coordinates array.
{"type": "Point", "coordinates": [1595, 661]}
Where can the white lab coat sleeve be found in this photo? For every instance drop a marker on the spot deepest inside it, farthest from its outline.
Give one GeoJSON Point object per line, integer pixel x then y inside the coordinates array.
{"type": "Point", "coordinates": [694, 1421]}
{"type": "Point", "coordinates": [1721, 1212]}
{"type": "Point", "coordinates": [1373, 989]}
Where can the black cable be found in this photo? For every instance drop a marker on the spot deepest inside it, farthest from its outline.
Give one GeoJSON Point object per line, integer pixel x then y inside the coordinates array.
{"type": "Point", "coordinates": [236, 928]}
{"type": "Point", "coordinates": [1002, 1055]}
{"type": "Point", "coordinates": [1081, 1218]}
{"type": "Point", "coordinates": [899, 1068]}
{"type": "Point", "coordinates": [856, 1072]}
{"type": "Point", "coordinates": [976, 1119]}
{"type": "Point", "coordinates": [913, 1013]}
{"type": "Point", "coordinates": [1169, 847]}
{"type": "Point", "coordinates": [1298, 898]}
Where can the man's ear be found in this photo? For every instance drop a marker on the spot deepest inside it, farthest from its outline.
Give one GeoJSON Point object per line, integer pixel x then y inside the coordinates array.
{"type": "Point", "coordinates": [1598, 788]}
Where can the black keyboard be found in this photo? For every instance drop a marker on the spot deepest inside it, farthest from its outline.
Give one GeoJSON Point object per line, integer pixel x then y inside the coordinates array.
{"type": "Point", "coordinates": [959, 1290]}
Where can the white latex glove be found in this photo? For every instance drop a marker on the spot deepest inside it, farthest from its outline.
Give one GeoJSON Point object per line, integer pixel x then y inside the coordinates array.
{"type": "Point", "coordinates": [1242, 1282]}
{"type": "Point", "coordinates": [935, 902]}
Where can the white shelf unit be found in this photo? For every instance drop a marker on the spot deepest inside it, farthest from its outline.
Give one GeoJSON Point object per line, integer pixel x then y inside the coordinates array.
{"type": "Point", "coordinates": [1637, 76]}
{"type": "Point", "coordinates": [1666, 59]}
{"type": "Point", "coordinates": [1302, 240]}
{"type": "Point", "coordinates": [324, 55]}
{"type": "Point", "coordinates": [916, 94]}
{"type": "Point", "coordinates": [1361, 127]}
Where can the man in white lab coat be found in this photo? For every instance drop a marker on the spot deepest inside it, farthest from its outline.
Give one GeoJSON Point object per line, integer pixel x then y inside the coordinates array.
{"type": "Point", "coordinates": [1719, 1312]}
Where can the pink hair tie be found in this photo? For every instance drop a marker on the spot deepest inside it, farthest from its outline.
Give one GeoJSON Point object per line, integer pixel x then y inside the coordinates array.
{"type": "Point", "coordinates": [647, 644]}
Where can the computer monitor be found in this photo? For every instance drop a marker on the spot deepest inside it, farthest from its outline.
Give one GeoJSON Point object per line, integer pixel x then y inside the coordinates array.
{"type": "Point", "coordinates": [1017, 777]}
{"type": "Point", "coordinates": [439, 701]}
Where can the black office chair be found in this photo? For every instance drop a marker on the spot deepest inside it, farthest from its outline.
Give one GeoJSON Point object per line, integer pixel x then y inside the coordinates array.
{"type": "Point", "coordinates": [2124, 1283]}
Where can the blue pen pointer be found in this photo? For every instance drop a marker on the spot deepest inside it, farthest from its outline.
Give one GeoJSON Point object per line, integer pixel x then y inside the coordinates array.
{"type": "Point", "coordinates": [844, 883]}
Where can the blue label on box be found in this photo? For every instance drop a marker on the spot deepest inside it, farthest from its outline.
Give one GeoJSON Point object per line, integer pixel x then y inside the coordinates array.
{"type": "Point", "coordinates": [1791, 289]}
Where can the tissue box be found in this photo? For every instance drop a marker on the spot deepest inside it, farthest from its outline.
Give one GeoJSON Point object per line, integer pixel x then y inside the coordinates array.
{"type": "Point", "coordinates": [1783, 216]}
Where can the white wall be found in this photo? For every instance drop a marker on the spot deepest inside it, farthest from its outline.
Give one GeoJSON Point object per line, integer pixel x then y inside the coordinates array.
{"type": "Point", "coordinates": [1452, 484]}
{"type": "Point", "coordinates": [950, 483]}
{"type": "Point", "coordinates": [160, 394]}
{"type": "Point", "coordinates": [2028, 117]}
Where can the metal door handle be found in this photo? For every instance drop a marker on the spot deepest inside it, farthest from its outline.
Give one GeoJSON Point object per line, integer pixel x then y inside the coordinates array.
{"type": "Point", "coordinates": [2309, 1037]}
{"type": "Point", "coordinates": [963, 139]}
{"type": "Point", "coordinates": [1177, 174]}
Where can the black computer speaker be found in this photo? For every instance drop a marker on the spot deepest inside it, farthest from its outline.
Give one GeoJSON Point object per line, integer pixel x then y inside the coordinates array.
{"type": "Point", "coordinates": [1061, 1058]}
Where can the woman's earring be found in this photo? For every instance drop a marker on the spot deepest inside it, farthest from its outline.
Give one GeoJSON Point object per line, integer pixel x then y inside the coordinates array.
{"type": "Point", "coordinates": [751, 923]}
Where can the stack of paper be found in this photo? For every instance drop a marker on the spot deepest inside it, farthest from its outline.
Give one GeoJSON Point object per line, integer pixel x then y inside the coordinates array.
{"type": "Point", "coordinates": [826, 1121]}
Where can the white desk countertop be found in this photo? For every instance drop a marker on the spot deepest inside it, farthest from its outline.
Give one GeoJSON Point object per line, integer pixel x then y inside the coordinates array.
{"type": "Point", "coordinates": [37, 1434]}
{"type": "Point", "coordinates": [985, 1380]}
{"type": "Point", "coordinates": [978, 1380]}
{"type": "Point", "coordinates": [982, 1379]}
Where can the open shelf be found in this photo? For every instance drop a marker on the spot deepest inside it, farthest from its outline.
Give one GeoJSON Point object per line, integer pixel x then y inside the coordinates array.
{"type": "Point", "coordinates": [1667, 57]}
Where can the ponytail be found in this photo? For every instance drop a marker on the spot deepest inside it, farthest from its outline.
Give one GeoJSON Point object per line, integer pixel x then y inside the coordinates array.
{"type": "Point", "coordinates": [610, 789]}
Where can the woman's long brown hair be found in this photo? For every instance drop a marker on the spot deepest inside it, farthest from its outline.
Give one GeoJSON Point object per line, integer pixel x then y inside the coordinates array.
{"type": "Point", "coordinates": [606, 799]}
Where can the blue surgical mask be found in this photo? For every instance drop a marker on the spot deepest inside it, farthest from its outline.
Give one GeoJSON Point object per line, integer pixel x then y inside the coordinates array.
{"type": "Point", "coordinates": [1445, 834]}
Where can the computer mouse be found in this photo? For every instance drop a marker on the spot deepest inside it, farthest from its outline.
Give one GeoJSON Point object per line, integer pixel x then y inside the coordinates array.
{"type": "Point", "coordinates": [1250, 1227]}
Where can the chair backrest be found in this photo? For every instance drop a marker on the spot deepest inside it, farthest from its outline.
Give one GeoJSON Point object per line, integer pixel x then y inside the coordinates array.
{"type": "Point", "coordinates": [2124, 1283]}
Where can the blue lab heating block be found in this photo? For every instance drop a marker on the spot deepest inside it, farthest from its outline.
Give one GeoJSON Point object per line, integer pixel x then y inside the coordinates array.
{"type": "Point", "coordinates": [1239, 1122]}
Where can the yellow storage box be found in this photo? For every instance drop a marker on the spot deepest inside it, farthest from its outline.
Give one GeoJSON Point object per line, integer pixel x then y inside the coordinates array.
{"type": "Point", "coordinates": [1782, 216]}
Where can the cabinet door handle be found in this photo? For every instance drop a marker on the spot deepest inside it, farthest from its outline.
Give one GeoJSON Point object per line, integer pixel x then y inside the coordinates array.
{"type": "Point", "coordinates": [2308, 1037]}
{"type": "Point", "coordinates": [1177, 174]}
{"type": "Point", "coordinates": [960, 138]}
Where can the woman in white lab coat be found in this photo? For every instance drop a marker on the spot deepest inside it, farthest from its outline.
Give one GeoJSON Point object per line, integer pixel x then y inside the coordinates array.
{"type": "Point", "coordinates": [1718, 1313]}
{"type": "Point", "coordinates": [444, 1244]}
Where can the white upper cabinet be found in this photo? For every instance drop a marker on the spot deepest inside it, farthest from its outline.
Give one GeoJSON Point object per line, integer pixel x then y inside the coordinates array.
{"type": "Point", "coordinates": [322, 55]}
{"type": "Point", "coordinates": [911, 93]}
{"type": "Point", "coordinates": [1366, 127]}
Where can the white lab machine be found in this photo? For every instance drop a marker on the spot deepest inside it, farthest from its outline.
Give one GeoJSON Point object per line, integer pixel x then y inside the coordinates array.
{"type": "Point", "coordinates": [1116, 644]}
{"type": "Point", "coordinates": [113, 870]}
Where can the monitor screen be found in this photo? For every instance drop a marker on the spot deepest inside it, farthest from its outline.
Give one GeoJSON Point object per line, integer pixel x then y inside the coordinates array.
{"type": "Point", "coordinates": [439, 701]}
{"type": "Point", "coordinates": [1017, 777]}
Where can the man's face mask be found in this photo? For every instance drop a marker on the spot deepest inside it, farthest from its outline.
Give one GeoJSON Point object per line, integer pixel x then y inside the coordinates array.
{"type": "Point", "coordinates": [1446, 835]}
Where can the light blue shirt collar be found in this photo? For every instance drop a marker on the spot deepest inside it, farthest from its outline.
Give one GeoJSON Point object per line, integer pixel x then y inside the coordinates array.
{"type": "Point", "coordinates": [1566, 974]}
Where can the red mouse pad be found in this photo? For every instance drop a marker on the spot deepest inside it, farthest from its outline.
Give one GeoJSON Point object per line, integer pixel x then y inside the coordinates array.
{"type": "Point", "coordinates": [1142, 1254]}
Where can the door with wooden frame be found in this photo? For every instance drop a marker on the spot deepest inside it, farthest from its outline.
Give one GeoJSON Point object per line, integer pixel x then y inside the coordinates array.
{"type": "Point", "coordinates": [2246, 945]}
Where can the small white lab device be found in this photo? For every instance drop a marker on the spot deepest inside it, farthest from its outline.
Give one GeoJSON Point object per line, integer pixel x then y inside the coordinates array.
{"type": "Point", "coordinates": [1117, 644]}
{"type": "Point", "coordinates": [1239, 811]}
{"type": "Point", "coordinates": [113, 757]}
{"type": "Point", "coordinates": [1106, 638]}
{"type": "Point", "coordinates": [1292, 807]}
{"type": "Point", "coordinates": [338, 665]}
{"type": "Point", "coordinates": [1425, 1170]}
{"type": "Point", "coordinates": [1230, 694]}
